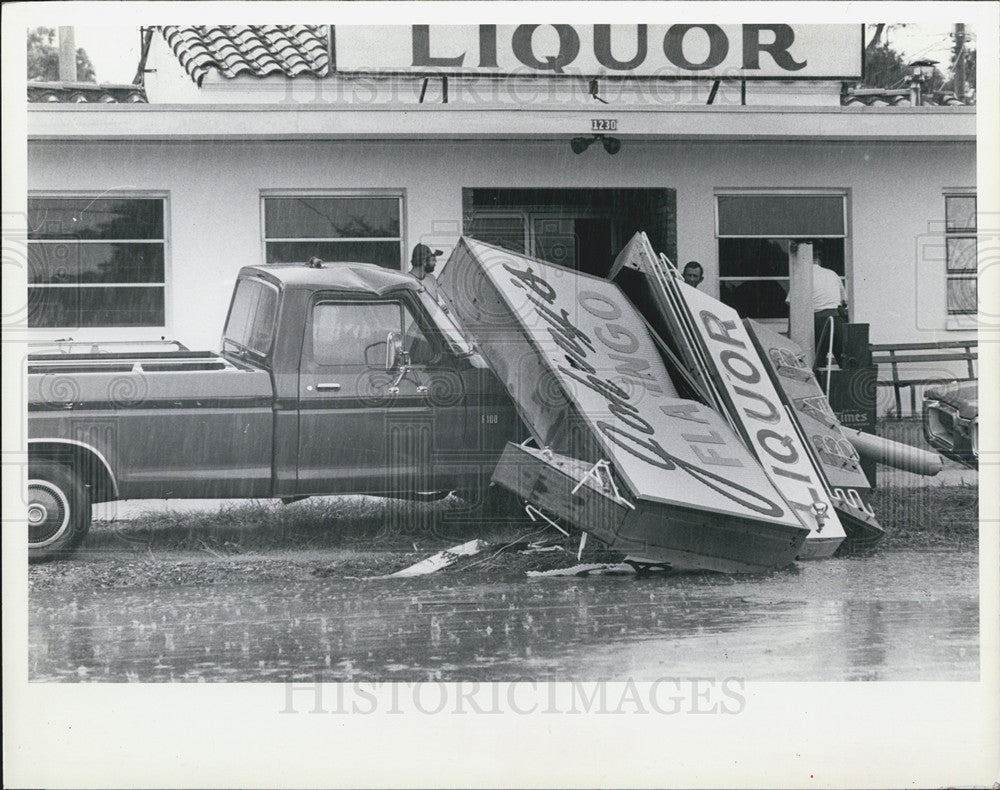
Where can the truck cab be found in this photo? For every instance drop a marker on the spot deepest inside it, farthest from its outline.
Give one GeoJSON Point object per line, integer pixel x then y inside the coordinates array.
{"type": "Point", "coordinates": [377, 387]}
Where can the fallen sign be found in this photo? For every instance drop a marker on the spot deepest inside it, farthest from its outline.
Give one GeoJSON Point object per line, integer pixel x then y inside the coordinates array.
{"type": "Point", "coordinates": [589, 384]}
{"type": "Point", "coordinates": [831, 447]}
{"type": "Point", "coordinates": [719, 352]}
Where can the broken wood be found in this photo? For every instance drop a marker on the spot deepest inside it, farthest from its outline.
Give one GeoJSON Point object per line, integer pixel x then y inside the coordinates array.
{"type": "Point", "coordinates": [440, 560]}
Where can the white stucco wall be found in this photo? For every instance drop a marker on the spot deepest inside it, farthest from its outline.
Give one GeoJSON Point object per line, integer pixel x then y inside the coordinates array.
{"type": "Point", "coordinates": [895, 201]}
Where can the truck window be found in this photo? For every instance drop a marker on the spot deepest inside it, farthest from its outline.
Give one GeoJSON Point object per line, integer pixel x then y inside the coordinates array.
{"type": "Point", "coordinates": [250, 325]}
{"type": "Point", "coordinates": [453, 332]}
{"type": "Point", "coordinates": [354, 333]}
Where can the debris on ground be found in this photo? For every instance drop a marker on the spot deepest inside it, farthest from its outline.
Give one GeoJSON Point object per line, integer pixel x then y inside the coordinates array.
{"type": "Point", "coordinates": [589, 569]}
{"type": "Point", "coordinates": [440, 560]}
{"type": "Point", "coordinates": [144, 553]}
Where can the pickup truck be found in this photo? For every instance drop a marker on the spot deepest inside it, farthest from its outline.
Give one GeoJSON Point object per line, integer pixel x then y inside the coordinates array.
{"type": "Point", "coordinates": [331, 379]}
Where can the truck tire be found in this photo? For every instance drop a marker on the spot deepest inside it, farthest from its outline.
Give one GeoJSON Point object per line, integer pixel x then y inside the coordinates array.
{"type": "Point", "coordinates": [58, 511]}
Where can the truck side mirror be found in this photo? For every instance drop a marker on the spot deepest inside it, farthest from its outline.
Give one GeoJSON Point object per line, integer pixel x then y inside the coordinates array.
{"type": "Point", "coordinates": [395, 357]}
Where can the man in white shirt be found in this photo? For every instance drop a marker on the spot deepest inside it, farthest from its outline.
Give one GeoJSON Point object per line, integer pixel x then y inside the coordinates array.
{"type": "Point", "coordinates": [829, 301]}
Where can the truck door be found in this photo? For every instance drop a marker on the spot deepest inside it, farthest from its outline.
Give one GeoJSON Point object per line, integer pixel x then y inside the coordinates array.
{"type": "Point", "coordinates": [362, 429]}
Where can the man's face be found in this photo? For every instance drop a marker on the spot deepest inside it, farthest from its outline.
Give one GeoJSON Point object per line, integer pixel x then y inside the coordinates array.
{"type": "Point", "coordinates": [693, 276]}
{"type": "Point", "coordinates": [430, 263]}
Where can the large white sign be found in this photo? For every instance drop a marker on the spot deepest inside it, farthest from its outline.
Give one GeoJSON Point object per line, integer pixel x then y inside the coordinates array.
{"type": "Point", "coordinates": [668, 449]}
{"type": "Point", "coordinates": [719, 353]}
{"type": "Point", "coordinates": [755, 402]}
{"type": "Point", "coordinates": [771, 50]}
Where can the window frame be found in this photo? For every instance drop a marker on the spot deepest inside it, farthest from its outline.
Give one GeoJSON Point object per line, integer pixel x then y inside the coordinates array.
{"type": "Point", "coordinates": [844, 193]}
{"type": "Point", "coordinates": [405, 306]}
{"type": "Point", "coordinates": [346, 194]}
{"type": "Point", "coordinates": [954, 275]}
{"type": "Point", "coordinates": [112, 194]}
{"type": "Point", "coordinates": [261, 356]}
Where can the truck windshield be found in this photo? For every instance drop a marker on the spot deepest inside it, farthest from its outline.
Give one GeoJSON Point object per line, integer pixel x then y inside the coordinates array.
{"type": "Point", "coordinates": [250, 324]}
{"type": "Point", "coordinates": [461, 344]}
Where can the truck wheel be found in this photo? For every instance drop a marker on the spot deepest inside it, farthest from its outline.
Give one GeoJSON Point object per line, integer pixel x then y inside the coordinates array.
{"type": "Point", "coordinates": [58, 511]}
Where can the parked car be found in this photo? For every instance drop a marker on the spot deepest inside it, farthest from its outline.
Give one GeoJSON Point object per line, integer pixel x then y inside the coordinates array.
{"type": "Point", "coordinates": [951, 420]}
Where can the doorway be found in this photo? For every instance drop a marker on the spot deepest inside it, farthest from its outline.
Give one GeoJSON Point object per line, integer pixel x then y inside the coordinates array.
{"type": "Point", "coordinates": [582, 229]}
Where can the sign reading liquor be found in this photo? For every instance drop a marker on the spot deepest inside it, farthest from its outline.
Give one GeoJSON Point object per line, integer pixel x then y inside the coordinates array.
{"type": "Point", "coordinates": [667, 449]}
{"type": "Point", "coordinates": [717, 349]}
{"type": "Point", "coordinates": [763, 51]}
{"type": "Point", "coordinates": [753, 399]}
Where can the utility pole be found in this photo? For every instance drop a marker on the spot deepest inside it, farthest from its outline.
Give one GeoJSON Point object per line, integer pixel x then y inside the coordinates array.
{"type": "Point", "coordinates": [67, 55]}
{"type": "Point", "coordinates": [959, 59]}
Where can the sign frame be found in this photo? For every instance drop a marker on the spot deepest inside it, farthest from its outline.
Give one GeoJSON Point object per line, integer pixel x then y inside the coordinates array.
{"type": "Point", "coordinates": [457, 72]}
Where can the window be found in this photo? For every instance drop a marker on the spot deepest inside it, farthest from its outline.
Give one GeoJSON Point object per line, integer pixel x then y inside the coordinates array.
{"type": "Point", "coordinates": [360, 229]}
{"type": "Point", "coordinates": [355, 333]}
{"type": "Point", "coordinates": [755, 233]}
{"type": "Point", "coordinates": [460, 343]}
{"type": "Point", "coordinates": [961, 253]}
{"type": "Point", "coordinates": [96, 261]}
{"type": "Point", "coordinates": [250, 324]}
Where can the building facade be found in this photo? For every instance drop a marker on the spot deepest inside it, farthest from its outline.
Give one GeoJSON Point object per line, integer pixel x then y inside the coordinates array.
{"type": "Point", "coordinates": [266, 144]}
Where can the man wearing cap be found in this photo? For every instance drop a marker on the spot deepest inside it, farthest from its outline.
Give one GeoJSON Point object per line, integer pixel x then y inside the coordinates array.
{"type": "Point", "coordinates": [423, 261]}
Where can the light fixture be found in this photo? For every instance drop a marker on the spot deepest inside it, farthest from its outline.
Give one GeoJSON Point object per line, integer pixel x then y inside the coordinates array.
{"type": "Point", "coordinates": [922, 70]}
{"type": "Point", "coordinates": [921, 73]}
{"type": "Point", "coordinates": [611, 144]}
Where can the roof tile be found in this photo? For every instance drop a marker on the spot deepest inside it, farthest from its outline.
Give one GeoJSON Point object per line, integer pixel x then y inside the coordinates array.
{"type": "Point", "coordinates": [877, 97]}
{"type": "Point", "coordinates": [84, 93]}
{"type": "Point", "coordinates": [262, 50]}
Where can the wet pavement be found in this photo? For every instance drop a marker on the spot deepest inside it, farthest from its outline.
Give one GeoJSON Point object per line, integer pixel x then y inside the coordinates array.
{"type": "Point", "coordinates": [902, 615]}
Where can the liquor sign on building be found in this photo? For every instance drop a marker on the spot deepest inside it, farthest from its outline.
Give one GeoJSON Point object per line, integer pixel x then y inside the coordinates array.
{"type": "Point", "coordinates": [765, 51]}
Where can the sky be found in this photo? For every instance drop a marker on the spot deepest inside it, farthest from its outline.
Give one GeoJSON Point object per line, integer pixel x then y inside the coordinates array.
{"type": "Point", "coordinates": [114, 51]}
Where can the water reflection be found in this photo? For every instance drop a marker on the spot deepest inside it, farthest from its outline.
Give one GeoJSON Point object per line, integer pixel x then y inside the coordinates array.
{"type": "Point", "coordinates": [899, 616]}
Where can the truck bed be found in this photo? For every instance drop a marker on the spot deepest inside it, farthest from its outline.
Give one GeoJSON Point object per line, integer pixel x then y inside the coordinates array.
{"type": "Point", "coordinates": [126, 362]}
